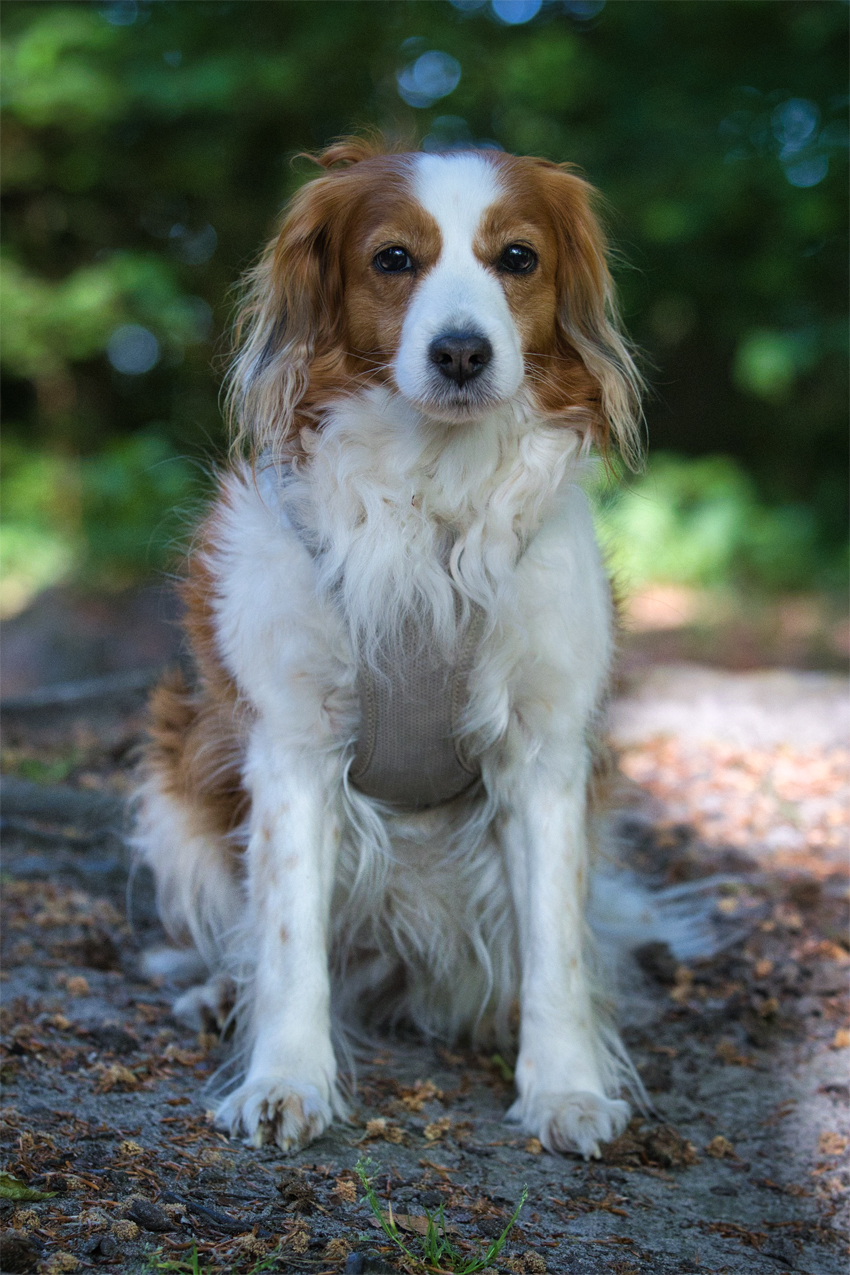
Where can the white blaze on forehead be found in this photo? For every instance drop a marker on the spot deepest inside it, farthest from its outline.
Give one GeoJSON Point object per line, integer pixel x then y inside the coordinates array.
{"type": "Point", "coordinates": [456, 190]}
{"type": "Point", "coordinates": [459, 293]}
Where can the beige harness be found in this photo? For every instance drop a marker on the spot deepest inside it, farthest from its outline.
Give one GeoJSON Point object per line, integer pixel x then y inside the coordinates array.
{"type": "Point", "coordinates": [408, 752]}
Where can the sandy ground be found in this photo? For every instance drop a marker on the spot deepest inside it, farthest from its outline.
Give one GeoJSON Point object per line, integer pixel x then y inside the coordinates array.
{"type": "Point", "coordinates": [741, 1168]}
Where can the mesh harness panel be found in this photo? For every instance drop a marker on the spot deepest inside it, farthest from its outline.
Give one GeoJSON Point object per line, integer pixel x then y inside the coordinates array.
{"type": "Point", "coordinates": [408, 752]}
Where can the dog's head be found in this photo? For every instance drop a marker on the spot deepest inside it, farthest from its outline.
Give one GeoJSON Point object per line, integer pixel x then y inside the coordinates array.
{"type": "Point", "coordinates": [462, 280]}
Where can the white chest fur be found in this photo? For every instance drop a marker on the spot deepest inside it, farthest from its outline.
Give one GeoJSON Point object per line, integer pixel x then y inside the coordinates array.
{"type": "Point", "coordinates": [399, 522]}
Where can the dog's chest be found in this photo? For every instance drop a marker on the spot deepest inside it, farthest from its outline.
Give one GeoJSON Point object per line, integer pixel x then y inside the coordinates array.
{"type": "Point", "coordinates": [412, 691]}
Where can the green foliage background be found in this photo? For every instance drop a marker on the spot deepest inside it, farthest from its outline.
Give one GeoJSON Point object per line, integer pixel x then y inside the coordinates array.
{"type": "Point", "coordinates": [147, 151]}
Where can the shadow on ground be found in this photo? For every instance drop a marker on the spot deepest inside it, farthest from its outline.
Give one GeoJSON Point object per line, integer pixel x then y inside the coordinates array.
{"type": "Point", "coordinates": [740, 1168]}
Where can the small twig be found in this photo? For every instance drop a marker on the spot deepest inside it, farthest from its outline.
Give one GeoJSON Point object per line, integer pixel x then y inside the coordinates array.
{"type": "Point", "coordinates": [61, 694]}
{"type": "Point", "coordinates": [21, 799]}
{"type": "Point", "coordinates": [222, 1220]}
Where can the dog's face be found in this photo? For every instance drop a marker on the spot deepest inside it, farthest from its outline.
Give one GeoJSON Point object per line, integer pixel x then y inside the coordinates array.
{"type": "Point", "coordinates": [463, 280]}
{"type": "Point", "coordinates": [449, 284]}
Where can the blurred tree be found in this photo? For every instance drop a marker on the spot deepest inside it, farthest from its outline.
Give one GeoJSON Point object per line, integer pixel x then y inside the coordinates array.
{"type": "Point", "coordinates": [147, 149]}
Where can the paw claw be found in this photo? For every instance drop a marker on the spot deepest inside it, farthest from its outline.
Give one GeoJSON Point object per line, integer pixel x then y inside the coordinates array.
{"type": "Point", "coordinates": [290, 1113]}
{"type": "Point", "coordinates": [576, 1122]}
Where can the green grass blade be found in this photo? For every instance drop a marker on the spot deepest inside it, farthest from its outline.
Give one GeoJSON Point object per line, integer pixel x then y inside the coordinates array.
{"type": "Point", "coordinates": [496, 1246]}
{"type": "Point", "coordinates": [389, 1228]}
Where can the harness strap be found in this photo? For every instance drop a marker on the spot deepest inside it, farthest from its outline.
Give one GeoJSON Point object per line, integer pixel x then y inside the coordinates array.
{"type": "Point", "coordinates": [408, 751]}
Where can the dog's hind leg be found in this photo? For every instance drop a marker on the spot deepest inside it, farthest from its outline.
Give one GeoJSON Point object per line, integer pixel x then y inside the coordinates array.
{"type": "Point", "coordinates": [199, 899]}
{"type": "Point", "coordinates": [188, 808]}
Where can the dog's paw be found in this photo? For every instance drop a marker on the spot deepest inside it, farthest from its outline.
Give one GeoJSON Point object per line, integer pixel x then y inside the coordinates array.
{"type": "Point", "coordinates": [290, 1113]}
{"type": "Point", "coordinates": [207, 1006]}
{"type": "Point", "coordinates": [572, 1121]}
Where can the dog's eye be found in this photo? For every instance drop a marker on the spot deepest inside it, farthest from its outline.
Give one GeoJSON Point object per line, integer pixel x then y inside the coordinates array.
{"type": "Point", "coordinates": [393, 260]}
{"type": "Point", "coordinates": [518, 259]}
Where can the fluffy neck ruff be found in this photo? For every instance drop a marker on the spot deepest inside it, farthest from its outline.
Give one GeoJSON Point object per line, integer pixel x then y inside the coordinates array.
{"type": "Point", "coordinates": [411, 517]}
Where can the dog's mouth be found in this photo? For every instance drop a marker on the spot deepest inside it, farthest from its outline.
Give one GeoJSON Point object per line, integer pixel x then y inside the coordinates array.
{"type": "Point", "coordinates": [460, 406]}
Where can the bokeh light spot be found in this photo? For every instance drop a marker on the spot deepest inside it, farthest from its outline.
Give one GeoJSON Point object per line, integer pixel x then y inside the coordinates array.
{"type": "Point", "coordinates": [448, 133]}
{"type": "Point", "coordinates": [193, 247]}
{"type": "Point", "coordinates": [431, 76]}
{"type": "Point", "coordinates": [765, 364]}
{"type": "Point", "coordinates": [121, 13]}
{"type": "Point", "coordinates": [201, 318]}
{"type": "Point", "coordinates": [794, 123]}
{"type": "Point", "coordinates": [515, 12]}
{"type": "Point", "coordinates": [132, 349]}
{"type": "Point", "coordinates": [808, 172]}
{"type": "Point", "coordinates": [583, 10]}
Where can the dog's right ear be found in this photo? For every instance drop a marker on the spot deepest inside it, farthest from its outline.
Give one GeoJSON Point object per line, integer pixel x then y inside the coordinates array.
{"type": "Point", "coordinates": [290, 315]}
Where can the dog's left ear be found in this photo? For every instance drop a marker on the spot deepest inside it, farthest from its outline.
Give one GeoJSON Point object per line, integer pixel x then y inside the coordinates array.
{"type": "Point", "coordinates": [587, 311]}
{"type": "Point", "coordinates": [289, 325]}
{"type": "Point", "coordinates": [292, 310]}
{"type": "Point", "coordinates": [290, 316]}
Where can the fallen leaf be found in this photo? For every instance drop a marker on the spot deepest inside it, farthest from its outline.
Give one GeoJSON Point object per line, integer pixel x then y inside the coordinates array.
{"type": "Point", "coordinates": [719, 1148]}
{"type": "Point", "coordinates": [12, 1188]}
{"type": "Point", "coordinates": [115, 1075]}
{"type": "Point", "coordinates": [129, 1147]}
{"type": "Point", "coordinates": [727, 1051]}
{"type": "Point", "coordinates": [60, 1264]}
{"type": "Point", "coordinates": [684, 984]}
{"type": "Point", "coordinates": [345, 1191]}
{"type": "Point", "coordinates": [830, 1143]}
{"type": "Point", "coordinates": [382, 1128]}
{"type": "Point", "coordinates": [422, 1091]}
{"type": "Point", "coordinates": [652, 1145]}
{"type": "Point", "coordinates": [733, 1231]}
{"type": "Point", "coordinates": [185, 1057]}
{"type": "Point", "coordinates": [433, 1132]}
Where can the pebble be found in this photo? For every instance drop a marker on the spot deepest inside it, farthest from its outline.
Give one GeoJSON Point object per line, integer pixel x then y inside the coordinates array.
{"type": "Point", "coordinates": [367, 1264]}
{"type": "Point", "coordinates": [149, 1216]}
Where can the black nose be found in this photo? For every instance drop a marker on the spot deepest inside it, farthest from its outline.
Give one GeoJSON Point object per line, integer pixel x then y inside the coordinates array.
{"type": "Point", "coordinates": [460, 356]}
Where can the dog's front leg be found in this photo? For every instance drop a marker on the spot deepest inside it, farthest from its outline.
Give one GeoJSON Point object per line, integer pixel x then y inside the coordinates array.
{"type": "Point", "coordinates": [561, 1069]}
{"type": "Point", "coordinates": [289, 1094]}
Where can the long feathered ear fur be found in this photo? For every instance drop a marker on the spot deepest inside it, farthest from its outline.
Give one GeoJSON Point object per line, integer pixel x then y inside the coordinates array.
{"type": "Point", "coordinates": [588, 310]}
{"type": "Point", "coordinates": [291, 312]}
{"type": "Point", "coordinates": [289, 315]}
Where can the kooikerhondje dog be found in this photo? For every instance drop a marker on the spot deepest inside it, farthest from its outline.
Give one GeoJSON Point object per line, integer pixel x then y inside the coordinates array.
{"type": "Point", "coordinates": [371, 802]}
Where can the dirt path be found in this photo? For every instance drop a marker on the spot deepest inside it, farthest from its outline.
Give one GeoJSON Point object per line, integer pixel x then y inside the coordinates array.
{"type": "Point", "coordinates": [743, 1168]}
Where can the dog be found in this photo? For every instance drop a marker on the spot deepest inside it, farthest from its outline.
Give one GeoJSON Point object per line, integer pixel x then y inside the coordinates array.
{"type": "Point", "coordinates": [369, 801]}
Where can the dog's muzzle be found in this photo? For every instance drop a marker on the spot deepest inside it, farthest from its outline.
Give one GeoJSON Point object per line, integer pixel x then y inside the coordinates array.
{"type": "Point", "coordinates": [460, 356]}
